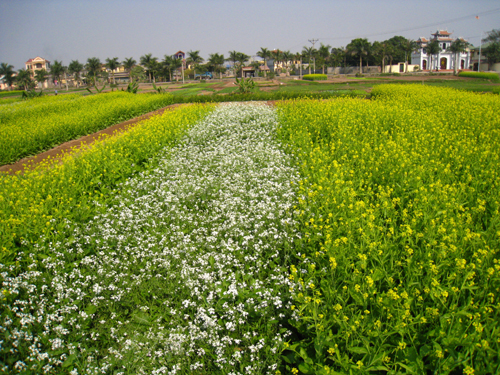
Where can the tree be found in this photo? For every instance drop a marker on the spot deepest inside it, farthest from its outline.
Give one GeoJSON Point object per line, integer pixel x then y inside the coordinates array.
{"type": "Point", "coordinates": [309, 53]}
{"type": "Point", "coordinates": [233, 56]}
{"type": "Point", "coordinates": [155, 67]}
{"type": "Point", "coordinates": [277, 56]}
{"type": "Point", "coordinates": [359, 47]}
{"type": "Point", "coordinates": [147, 62]}
{"type": "Point", "coordinates": [7, 71]}
{"type": "Point", "coordinates": [93, 67]}
{"type": "Point", "coordinates": [492, 53]}
{"type": "Point", "coordinates": [195, 59]}
{"type": "Point", "coordinates": [457, 47]}
{"type": "Point", "coordinates": [41, 76]}
{"type": "Point", "coordinates": [57, 71]}
{"type": "Point", "coordinates": [217, 61]}
{"type": "Point", "coordinates": [264, 54]}
{"type": "Point", "coordinates": [75, 68]}
{"type": "Point", "coordinates": [241, 58]}
{"type": "Point", "coordinates": [128, 64]}
{"type": "Point", "coordinates": [399, 44]}
{"type": "Point", "coordinates": [493, 36]}
{"type": "Point", "coordinates": [433, 48]}
{"type": "Point", "coordinates": [389, 51]}
{"type": "Point", "coordinates": [287, 57]}
{"type": "Point", "coordinates": [137, 73]}
{"type": "Point", "coordinates": [409, 47]}
{"type": "Point", "coordinates": [298, 57]}
{"type": "Point", "coordinates": [338, 56]}
{"type": "Point", "coordinates": [112, 64]}
{"type": "Point", "coordinates": [324, 55]}
{"type": "Point", "coordinates": [24, 79]}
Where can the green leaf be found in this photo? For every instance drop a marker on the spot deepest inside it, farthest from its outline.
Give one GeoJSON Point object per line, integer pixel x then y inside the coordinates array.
{"type": "Point", "coordinates": [69, 361]}
{"type": "Point", "coordinates": [378, 274]}
{"type": "Point", "coordinates": [304, 367]}
{"type": "Point", "coordinates": [358, 350]}
{"type": "Point", "coordinates": [91, 309]}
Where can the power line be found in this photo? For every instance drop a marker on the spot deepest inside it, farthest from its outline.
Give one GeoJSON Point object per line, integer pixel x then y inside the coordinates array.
{"type": "Point", "coordinates": [421, 27]}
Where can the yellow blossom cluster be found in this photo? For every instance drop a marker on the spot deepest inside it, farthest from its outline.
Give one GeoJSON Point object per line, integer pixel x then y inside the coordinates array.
{"type": "Point", "coordinates": [399, 210]}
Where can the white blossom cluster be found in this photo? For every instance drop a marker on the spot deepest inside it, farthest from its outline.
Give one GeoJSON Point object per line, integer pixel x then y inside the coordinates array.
{"type": "Point", "coordinates": [184, 271]}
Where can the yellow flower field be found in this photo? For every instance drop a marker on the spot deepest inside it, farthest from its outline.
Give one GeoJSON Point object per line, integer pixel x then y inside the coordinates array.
{"type": "Point", "coordinates": [398, 270]}
{"type": "Point", "coordinates": [32, 126]}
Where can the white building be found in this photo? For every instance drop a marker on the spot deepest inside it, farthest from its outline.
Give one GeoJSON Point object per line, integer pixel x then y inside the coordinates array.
{"type": "Point", "coordinates": [444, 60]}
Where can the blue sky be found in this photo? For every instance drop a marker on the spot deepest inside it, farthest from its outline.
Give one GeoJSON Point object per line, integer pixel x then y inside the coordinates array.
{"type": "Point", "coordinates": [76, 30]}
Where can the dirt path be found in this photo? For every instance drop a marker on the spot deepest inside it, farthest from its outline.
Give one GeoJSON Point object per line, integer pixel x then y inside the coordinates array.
{"type": "Point", "coordinates": [59, 151]}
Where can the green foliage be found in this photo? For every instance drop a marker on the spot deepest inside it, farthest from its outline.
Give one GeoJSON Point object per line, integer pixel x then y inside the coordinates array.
{"type": "Point", "coordinates": [314, 77]}
{"type": "Point", "coordinates": [245, 85]}
{"type": "Point", "coordinates": [4, 94]}
{"type": "Point", "coordinates": [397, 270]}
{"type": "Point", "coordinates": [31, 94]}
{"type": "Point", "coordinates": [132, 87]}
{"type": "Point", "coordinates": [42, 123]}
{"type": "Point", "coordinates": [97, 89]}
{"type": "Point", "coordinates": [494, 77]}
{"type": "Point", "coordinates": [158, 89]}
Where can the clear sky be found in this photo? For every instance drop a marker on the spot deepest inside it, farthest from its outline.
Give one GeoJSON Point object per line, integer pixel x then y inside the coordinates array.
{"type": "Point", "coordinates": [78, 29]}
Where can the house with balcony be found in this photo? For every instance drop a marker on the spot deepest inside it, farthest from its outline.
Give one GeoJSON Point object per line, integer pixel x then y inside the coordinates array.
{"type": "Point", "coordinates": [444, 60]}
{"type": "Point", "coordinates": [38, 63]}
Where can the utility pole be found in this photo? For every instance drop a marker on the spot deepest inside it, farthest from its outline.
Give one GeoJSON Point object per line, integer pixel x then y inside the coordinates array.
{"type": "Point", "coordinates": [313, 41]}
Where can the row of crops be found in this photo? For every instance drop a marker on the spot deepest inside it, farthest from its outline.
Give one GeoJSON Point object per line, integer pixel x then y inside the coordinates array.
{"type": "Point", "coordinates": [317, 237]}
{"type": "Point", "coordinates": [32, 126]}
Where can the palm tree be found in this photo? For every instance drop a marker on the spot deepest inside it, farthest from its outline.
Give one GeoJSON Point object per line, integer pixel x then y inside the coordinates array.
{"type": "Point", "coordinates": [41, 76]}
{"type": "Point", "coordinates": [75, 68]}
{"type": "Point", "coordinates": [146, 61]}
{"type": "Point", "coordinates": [57, 70]}
{"type": "Point", "coordinates": [277, 56]}
{"type": "Point", "coordinates": [389, 52]}
{"type": "Point", "coordinates": [154, 67]}
{"type": "Point", "coordinates": [128, 64]}
{"type": "Point", "coordinates": [409, 47]}
{"type": "Point", "coordinates": [242, 58]}
{"type": "Point", "coordinates": [93, 67]}
{"type": "Point", "coordinates": [233, 56]}
{"type": "Point", "coordinates": [298, 57]}
{"type": "Point", "coordinates": [112, 64]}
{"type": "Point", "coordinates": [7, 71]}
{"type": "Point", "coordinates": [337, 55]}
{"type": "Point", "coordinates": [195, 59]}
{"type": "Point", "coordinates": [433, 48]}
{"type": "Point", "coordinates": [24, 78]}
{"type": "Point", "coordinates": [264, 54]}
{"type": "Point", "coordinates": [359, 47]}
{"type": "Point", "coordinates": [287, 57]}
{"type": "Point", "coordinates": [309, 52]}
{"type": "Point", "coordinates": [217, 60]}
{"type": "Point", "coordinates": [324, 54]}
{"type": "Point", "coordinates": [457, 47]}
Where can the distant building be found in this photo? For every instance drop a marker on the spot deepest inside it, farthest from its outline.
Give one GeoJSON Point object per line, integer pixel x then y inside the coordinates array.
{"type": "Point", "coordinates": [38, 63]}
{"type": "Point", "coordinates": [444, 60]}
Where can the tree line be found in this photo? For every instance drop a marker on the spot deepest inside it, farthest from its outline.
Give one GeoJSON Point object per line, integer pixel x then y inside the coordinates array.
{"type": "Point", "coordinates": [358, 52]}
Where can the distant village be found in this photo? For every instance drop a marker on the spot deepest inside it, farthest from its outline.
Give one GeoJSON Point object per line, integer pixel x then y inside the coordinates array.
{"type": "Point", "coordinates": [440, 52]}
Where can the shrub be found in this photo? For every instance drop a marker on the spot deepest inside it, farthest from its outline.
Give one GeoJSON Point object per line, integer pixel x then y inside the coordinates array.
{"type": "Point", "coordinates": [314, 77]}
{"type": "Point", "coordinates": [481, 75]}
